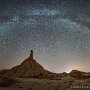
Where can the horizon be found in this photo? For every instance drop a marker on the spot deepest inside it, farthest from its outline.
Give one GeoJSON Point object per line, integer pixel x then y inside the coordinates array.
{"type": "Point", "coordinates": [45, 68]}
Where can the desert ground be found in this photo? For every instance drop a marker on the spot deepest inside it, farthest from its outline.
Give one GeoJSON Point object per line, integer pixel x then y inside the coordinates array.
{"type": "Point", "coordinates": [65, 83]}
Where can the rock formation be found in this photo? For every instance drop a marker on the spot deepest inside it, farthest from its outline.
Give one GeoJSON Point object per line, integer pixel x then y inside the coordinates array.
{"type": "Point", "coordinates": [31, 54]}
{"type": "Point", "coordinates": [28, 68]}
{"type": "Point", "coordinates": [76, 73]}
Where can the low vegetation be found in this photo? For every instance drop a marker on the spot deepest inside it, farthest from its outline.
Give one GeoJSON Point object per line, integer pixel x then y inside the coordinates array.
{"type": "Point", "coordinates": [6, 81]}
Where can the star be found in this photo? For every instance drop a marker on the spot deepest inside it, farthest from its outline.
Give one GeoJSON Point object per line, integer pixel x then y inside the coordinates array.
{"type": "Point", "coordinates": [58, 31]}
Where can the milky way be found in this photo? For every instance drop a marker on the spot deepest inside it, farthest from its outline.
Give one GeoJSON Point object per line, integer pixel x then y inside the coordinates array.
{"type": "Point", "coordinates": [58, 31]}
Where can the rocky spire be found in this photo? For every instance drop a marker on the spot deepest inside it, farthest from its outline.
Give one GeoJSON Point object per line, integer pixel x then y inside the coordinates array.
{"type": "Point", "coordinates": [28, 68]}
{"type": "Point", "coordinates": [31, 54]}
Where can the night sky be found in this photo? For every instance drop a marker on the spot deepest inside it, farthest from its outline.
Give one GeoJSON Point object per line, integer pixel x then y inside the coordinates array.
{"type": "Point", "coordinates": [58, 31]}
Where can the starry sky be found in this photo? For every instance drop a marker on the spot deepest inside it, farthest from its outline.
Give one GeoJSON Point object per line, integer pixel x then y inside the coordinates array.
{"type": "Point", "coordinates": [58, 31]}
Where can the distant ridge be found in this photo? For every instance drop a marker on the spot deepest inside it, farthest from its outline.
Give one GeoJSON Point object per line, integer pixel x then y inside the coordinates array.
{"type": "Point", "coordinates": [29, 68]}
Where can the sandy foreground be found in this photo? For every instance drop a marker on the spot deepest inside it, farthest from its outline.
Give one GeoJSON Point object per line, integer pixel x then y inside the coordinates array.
{"type": "Point", "coordinates": [66, 83]}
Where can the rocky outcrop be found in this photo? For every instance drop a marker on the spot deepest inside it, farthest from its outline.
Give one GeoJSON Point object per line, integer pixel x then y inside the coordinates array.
{"type": "Point", "coordinates": [76, 73]}
{"type": "Point", "coordinates": [28, 68]}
